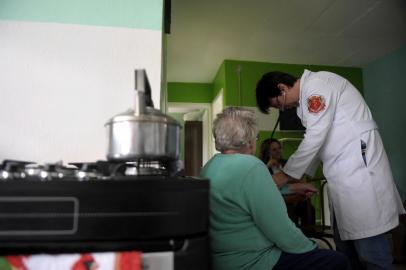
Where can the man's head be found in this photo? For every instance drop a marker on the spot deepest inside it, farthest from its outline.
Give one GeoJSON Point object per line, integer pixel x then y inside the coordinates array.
{"type": "Point", "coordinates": [277, 89]}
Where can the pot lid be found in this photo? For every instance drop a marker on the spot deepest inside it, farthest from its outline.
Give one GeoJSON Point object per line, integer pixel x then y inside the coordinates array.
{"type": "Point", "coordinates": [150, 115]}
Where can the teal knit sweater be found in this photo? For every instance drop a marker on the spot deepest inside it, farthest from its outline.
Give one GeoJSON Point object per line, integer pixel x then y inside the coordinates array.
{"type": "Point", "coordinates": [249, 224]}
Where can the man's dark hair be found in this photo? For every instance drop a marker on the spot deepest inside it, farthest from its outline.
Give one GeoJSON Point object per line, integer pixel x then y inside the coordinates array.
{"type": "Point", "coordinates": [267, 88]}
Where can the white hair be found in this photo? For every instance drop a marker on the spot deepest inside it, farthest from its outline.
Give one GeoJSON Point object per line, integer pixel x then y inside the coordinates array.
{"type": "Point", "coordinates": [234, 128]}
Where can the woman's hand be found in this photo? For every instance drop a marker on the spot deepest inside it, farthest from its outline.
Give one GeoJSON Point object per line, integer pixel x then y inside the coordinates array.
{"type": "Point", "coordinates": [273, 163]}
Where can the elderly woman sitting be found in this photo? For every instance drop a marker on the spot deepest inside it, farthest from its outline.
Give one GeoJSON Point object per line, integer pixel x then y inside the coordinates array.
{"type": "Point", "coordinates": [249, 225]}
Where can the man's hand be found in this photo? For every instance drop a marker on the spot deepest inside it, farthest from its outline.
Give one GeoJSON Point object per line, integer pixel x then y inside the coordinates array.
{"type": "Point", "coordinates": [305, 189]}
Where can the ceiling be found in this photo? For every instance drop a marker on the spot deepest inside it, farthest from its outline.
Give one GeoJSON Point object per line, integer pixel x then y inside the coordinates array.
{"type": "Point", "coordinates": [325, 32]}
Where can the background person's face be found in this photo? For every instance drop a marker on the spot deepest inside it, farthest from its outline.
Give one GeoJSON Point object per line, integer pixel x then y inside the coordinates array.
{"type": "Point", "coordinates": [275, 151]}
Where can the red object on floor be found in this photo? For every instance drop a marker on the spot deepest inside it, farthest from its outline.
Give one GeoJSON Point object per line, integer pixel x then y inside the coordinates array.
{"type": "Point", "coordinates": [85, 262]}
{"type": "Point", "coordinates": [130, 260]}
{"type": "Point", "coordinates": [17, 262]}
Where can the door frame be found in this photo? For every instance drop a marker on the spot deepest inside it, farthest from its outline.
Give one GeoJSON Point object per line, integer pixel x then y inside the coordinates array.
{"type": "Point", "coordinates": [185, 107]}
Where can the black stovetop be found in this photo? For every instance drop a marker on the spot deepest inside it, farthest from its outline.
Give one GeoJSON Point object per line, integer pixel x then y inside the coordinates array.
{"type": "Point", "coordinates": [63, 213]}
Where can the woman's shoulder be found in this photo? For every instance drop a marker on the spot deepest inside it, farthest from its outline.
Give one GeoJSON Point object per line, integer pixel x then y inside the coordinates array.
{"type": "Point", "coordinates": [239, 162]}
{"type": "Point", "coordinates": [247, 159]}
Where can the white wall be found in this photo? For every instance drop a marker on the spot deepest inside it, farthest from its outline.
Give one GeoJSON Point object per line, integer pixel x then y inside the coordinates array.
{"type": "Point", "coordinates": [60, 83]}
{"type": "Point", "coordinates": [266, 121]}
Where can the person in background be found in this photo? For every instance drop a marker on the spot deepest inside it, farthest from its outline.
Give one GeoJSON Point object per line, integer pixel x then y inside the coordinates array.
{"type": "Point", "coordinates": [271, 155]}
{"type": "Point", "coordinates": [299, 207]}
{"type": "Point", "coordinates": [249, 225]}
{"type": "Point", "coordinates": [341, 132]}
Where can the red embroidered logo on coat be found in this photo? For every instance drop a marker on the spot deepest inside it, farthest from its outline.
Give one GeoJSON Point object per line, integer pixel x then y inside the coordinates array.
{"type": "Point", "coordinates": [316, 104]}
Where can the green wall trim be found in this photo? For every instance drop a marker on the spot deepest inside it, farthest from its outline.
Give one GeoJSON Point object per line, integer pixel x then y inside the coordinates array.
{"type": "Point", "coordinates": [142, 14]}
{"type": "Point", "coordinates": [190, 92]}
{"type": "Point", "coordinates": [251, 72]}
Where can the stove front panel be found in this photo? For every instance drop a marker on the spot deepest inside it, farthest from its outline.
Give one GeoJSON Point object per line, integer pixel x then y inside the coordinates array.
{"type": "Point", "coordinates": [107, 210]}
{"type": "Point", "coordinates": [39, 215]}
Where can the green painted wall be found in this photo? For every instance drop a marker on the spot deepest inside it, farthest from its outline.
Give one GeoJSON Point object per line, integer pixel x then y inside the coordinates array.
{"type": "Point", "coordinates": [190, 92]}
{"type": "Point", "coordinates": [251, 73]}
{"type": "Point", "coordinates": [385, 93]}
{"type": "Point", "coordinates": [143, 14]}
{"type": "Point", "coordinates": [227, 79]}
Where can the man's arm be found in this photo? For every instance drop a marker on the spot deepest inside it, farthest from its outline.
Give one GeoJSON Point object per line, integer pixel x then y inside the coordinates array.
{"type": "Point", "coordinates": [318, 124]}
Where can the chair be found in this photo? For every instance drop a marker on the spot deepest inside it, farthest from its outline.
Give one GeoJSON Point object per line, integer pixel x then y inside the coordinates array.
{"type": "Point", "coordinates": [307, 222]}
{"type": "Point", "coordinates": [322, 231]}
{"type": "Point", "coordinates": [309, 227]}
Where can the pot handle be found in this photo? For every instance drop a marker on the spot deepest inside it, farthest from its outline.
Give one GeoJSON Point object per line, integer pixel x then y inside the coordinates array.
{"type": "Point", "coordinates": [142, 91]}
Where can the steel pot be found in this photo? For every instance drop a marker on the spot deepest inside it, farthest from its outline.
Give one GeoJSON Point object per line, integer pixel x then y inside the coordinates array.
{"type": "Point", "coordinates": [143, 133]}
{"type": "Point", "coordinates": [148, 136]}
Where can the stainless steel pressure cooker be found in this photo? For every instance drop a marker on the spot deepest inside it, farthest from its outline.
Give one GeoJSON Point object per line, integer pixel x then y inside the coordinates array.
{"type": "Point", "coordinates": [143, 133]}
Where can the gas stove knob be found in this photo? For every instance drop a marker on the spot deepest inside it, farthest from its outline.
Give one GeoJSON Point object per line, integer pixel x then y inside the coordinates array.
{"type": "Point", "coordinates": [4, 175]}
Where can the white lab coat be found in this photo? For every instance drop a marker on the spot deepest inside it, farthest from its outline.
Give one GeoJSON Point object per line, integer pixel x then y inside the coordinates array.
{"type": "Point", "coordinates": [363, 197]}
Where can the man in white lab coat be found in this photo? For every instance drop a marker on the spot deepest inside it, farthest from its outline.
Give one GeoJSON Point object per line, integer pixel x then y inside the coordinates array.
{"type": "Point", "coordinates": [341, 133]}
